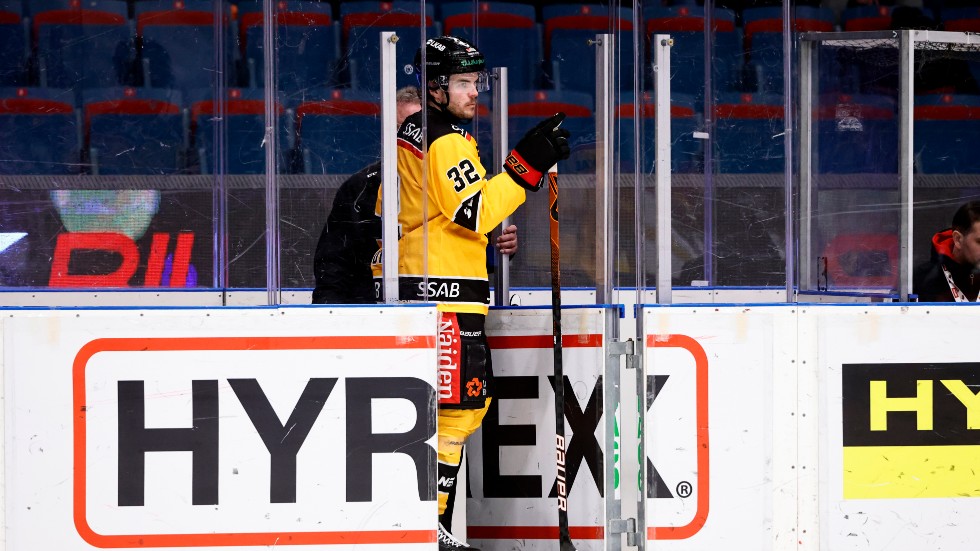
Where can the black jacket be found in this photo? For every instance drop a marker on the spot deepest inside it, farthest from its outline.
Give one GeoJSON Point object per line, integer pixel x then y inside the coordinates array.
{"type": "Point", "coordinates": [350, 238]}
{"type": "Point", "coordinates": [929, 281]}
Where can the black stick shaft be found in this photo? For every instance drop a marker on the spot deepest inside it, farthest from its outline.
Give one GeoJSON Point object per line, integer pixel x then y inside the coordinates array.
{"type": "Point", "coordinates": [564, 539]}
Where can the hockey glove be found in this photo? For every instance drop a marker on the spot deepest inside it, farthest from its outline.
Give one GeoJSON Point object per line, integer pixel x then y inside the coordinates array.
{"type": "Point", "coordinates": [539, 149]}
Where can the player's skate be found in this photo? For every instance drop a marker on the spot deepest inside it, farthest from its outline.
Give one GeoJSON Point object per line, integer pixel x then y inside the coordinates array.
{"type": "Point", "coordinates": [448, 543]}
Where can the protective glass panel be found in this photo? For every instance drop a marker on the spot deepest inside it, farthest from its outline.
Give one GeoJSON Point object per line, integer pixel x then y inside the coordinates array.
{"type": "Point", "coordinates": [330, 233]}
{"type": "Point", "coordinates": [557, 73]}
{"type": "Point", "coordinates": [108, 164]}
{"type": "Point", "coordinates": [856, 214]}
{"type": "Point", "coordinates": [857, 230]}
{"type": "Point", "coordinates": [946, 167]}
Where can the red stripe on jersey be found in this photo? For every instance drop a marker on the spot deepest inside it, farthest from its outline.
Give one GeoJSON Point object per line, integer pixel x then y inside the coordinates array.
{"type": "Point", "coordinates": [405, 144]}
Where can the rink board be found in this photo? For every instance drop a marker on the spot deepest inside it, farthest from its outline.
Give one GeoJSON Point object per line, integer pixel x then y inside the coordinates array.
{"type": "Point", "coordinates": [512, 503]}
{"type": "Point", "coordinates": [220, 429]}
{"type": "Point", "coordinates": [826, 427]}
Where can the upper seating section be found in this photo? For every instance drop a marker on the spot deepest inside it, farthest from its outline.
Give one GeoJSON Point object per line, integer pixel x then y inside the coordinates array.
{"type": "Point", "coordinates": [40, 131]}
{"type": "Point", "coordinates": [749, 134]}
{"type": "Point", "coordinates": [360, 24]}
{"type": "Point", "coordinates": [507, 34]}
{"type": "Point", "coordinates": [177, 43]}
{"type": "Point", "coordinates": [528, 107]}
{"type": "Point", "coordinates": [327, 52]}
{"type": "Point", "coordinates": [764, 41]}
{"type": "Point", "coordinates": [856, 134]}
{"type": "Point", "coordinates": [686, 25]}
{"type": "Point", "coordinates": [14, 44]}
{"type": "Point", "coordinates": [339, 131]}
{"type": "Point", "coordinates": [130, 130]}
{"type": "Point", "coordinates": [686, 152]}
{"type": "Point", "coordinates": [308, 40]}
{"type": "Point", "coordinates": [82, 45]}
{"type": "Point", "coordinates": [946, 133]}
{"type": "Point", "coordinates": [569, 30]}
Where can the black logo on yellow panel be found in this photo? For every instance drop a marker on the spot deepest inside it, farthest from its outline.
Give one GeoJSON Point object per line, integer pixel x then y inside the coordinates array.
{"type": "Point", "coordinates": [911, 430]}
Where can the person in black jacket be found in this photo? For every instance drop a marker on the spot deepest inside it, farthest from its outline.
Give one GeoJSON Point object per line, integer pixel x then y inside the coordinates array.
{"type": "Point", "coordinates": [351, 236]}
{"type": "Point", "coordinates": [953, 273]}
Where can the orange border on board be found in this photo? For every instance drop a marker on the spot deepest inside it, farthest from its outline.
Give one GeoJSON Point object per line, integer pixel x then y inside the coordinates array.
{"type": "Point", "coordinates": [701, 419]}
{"type": "Point", "coordinates": [223, 539]}
{"type": "Point", "coordinates": [584, 340]}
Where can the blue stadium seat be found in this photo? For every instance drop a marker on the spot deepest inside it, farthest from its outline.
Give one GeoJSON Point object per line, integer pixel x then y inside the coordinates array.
{"type": "Point", "coordinates": [362, 23]}
{"type": "Point", "coordinates": [14, 44]}
{"type": "Point", "coordinates": [83, 45]}
{"type": "Point", "coordinates": [178, 43]}
{"type": "Point", "coordinates": [245, 128]}
{"type": "Point", "coordinates": [338, 131]}
{"type": "Point", "coordinates": [568, 28]}
{"type": "Point", "coordinates": [964, 20]}
{"type": "Point", "coordinates": [307, 44]}
{"type": "Point", "coordinates": [508, 37]}
{"type": "Point", "coordinates": [856, 134]}
{"type": "Point", "coordinates": [764, 40]}
{"type": "Point", "coordinates": [961, 19]}
{"type": "Point", "coordinates": [527, 108]}
{"type": "Point", "coordinates": [685, 25]}
{"type": "Point", "coordinates": [946, 134]}
{"type": "Point", "coordinates": [866, 18]}
{"type": "Point", "coordinates": [749, 132]}
{"type": "Point", "coordinates": [131, 130]}
{"type": "Point", "coordinates": [686, 152]}
{"type": "Point", "coordinates": [40, 131]}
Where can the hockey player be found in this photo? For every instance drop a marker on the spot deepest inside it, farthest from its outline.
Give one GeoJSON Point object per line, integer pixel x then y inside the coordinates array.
{"type": "Point", "coordinates": [349, 240]}
{"type": "Point", "coordinates": [447, 237]}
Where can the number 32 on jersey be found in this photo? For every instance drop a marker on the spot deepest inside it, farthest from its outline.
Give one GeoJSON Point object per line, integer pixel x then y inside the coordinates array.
{"type": "Point", "coordinates": [463, 174]}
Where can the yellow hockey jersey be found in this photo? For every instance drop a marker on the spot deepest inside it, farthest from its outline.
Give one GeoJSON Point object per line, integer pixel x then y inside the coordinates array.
{"type": "Point", "coordinates": [463, 206]}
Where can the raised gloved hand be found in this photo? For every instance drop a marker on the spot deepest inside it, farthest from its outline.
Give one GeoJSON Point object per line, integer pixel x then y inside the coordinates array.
{"type": "Point", "coordinates": [539, 149]}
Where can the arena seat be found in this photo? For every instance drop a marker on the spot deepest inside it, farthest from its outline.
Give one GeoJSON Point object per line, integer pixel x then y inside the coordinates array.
{"type": "Point", "coordinates": [130, 130]}
{"type": "Point", "coordinates": [82, 45]}
{"type": "Point", "coordinates": [178, 43]}
{"type": "Point", "coordinates": [961, 19]}
{"type": "Point", "coordinates": [40, 131]}
{"type": "Point", "coordinates": [686, 152]}
{"type": "Point", "coordinates": [946, 133]}
{"type": "Point", "coordinates": [362, 23]}
{"type": "Point", "coordinates": [964, 20]}
{"type": "Point", "coordinates": [245, 123]}
{"type": "Point", "coordinates": [856, 134]}
{"type": "Point", "coordinates": [307, 44]}
{"type": "Point", "coordinates": [749, 133]}
{"type": "Point", "coordinates": [508, 37]}
{"type": "Point", "coordinates": [338, 131]}
{"type": "Point", "coordinates": [685, 25]}
{"type": "Point", "coordinates": [866, 18]}
{"type": "Point", "coordinates": [14, 46]}
{"type": "Point", "coordinates": [528, 108]}
{"type": "Point", "coordinates": [568, 31]}
{"type": "Point", "coordinates": [857, 260]}
{"type": "Point", "coordinates": [764, 40]}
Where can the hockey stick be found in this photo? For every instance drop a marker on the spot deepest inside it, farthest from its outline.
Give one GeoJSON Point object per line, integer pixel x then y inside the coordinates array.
{"type": "Point", "coordinates": [564, 539]}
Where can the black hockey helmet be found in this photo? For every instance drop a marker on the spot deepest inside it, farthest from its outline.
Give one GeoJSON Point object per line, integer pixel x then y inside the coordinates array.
{"type": "Point", "coordinates": [449, 55]}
